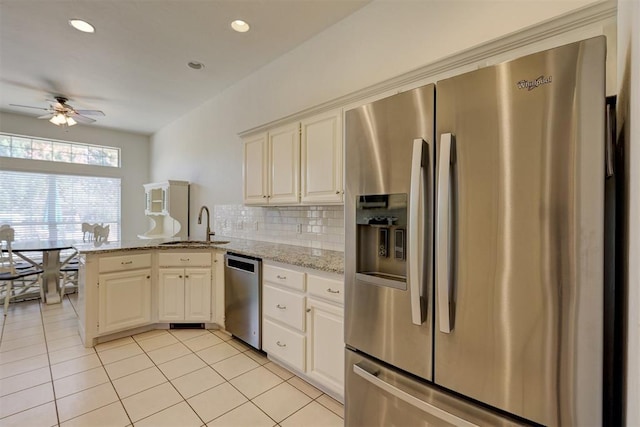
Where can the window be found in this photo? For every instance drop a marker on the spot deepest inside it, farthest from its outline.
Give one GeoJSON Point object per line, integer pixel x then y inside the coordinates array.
{"type": "Point", "coordinates": [53, 207]}
{"type": "Point", "coordinates": [26, 147]}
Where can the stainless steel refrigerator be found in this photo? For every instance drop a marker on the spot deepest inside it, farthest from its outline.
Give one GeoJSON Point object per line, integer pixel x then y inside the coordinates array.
{"type": "Point", "coordinates": [475, 247]}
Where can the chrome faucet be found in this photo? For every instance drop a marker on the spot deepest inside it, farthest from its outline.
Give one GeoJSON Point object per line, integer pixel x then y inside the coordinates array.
{"type": "Point", "coordinates": [209, 232]}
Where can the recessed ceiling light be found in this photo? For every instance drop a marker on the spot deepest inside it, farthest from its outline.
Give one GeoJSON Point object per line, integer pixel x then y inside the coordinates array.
{"type": "Point", "coordinates": [240, 26]}
{"type": "Point", "coordinates": [81, 25]}
{"type": "Point", "coordinates": [195, 65]}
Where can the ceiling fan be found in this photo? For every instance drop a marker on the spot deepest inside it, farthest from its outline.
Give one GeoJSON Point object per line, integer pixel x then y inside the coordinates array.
{"type": "Point", "coordinates": [62, 114]}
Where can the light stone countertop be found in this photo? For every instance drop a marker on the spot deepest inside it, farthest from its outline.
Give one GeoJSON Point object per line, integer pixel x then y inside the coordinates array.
{"type": "Point", "coordinates": [318, 259]}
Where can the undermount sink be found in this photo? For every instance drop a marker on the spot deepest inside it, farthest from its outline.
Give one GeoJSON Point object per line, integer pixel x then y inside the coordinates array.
{"type": "Point", "coordinates": [194, 243]}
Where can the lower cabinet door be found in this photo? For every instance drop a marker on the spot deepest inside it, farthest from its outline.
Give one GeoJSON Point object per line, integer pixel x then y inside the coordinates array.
{"type": "Point", "coordinates": [284, 344]}
{"type": "Point", "coordinates": [171, 294]}
{"type": "Point", "coordinates": [124, 300]}
{"type": "Point", "coordinates": [197, 295]}
{"type": "Point", "coordinates": [325, 345]}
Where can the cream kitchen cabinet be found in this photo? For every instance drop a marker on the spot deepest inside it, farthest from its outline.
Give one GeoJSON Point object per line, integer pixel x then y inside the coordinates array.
{"type": "Point", "coordinates": [299, 163]}
{"type": "Point", "coordinates": [303, 323]}
{"type": "Point", "coordinates": [255, 170]}
{"type": "Point", "coordinates": [325, 331]}
{"type": "Point", "coordinates": [184, 287]}
{"type": "Point", "coordinates": [218, 286]}
{"type": "Point", "coordinates": [321, 159]}
{"type": "Point", "coordinates": [124, 292]}
{"type": "Point", "coordinates": [272, 167]}
{"type": "Point", "coordinates": [283, 310]}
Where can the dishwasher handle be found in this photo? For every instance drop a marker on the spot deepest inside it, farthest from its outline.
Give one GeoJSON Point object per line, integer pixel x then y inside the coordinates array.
{"type": "Point", "coordinates": [241, 263]}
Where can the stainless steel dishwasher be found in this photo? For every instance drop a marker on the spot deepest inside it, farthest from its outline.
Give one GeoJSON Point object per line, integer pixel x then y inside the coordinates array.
{"type": "Point", "coordinates": [243, 298]}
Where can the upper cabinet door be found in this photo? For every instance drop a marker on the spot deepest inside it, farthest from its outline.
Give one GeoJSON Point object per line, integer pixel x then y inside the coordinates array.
{"type": "Point", "coordinates": [255, 170]}
{"type": "Point", "coordinates": [284, 156]}
{"type": "Point", "coordinates": [321, 161]}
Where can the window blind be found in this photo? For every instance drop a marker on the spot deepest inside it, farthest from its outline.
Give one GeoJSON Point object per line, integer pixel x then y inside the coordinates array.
{"type": "Point", "coordinates": [53, 207]}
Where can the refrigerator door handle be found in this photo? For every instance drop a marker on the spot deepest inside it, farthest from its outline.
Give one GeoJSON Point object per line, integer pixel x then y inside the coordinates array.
{"type": "Point", "coordinates": [446, 157]}
{"type": "Point", "coordinates": [411, 400]}
{"type": "Point", "coordinates": [415, 268]}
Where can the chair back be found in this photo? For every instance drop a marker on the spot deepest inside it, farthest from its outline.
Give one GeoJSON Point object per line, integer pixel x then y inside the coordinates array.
{"type": "Point", "coordinates": [7, 263]}
{"type": "Point", "coordinates": [89, 231]}
{"type": "Point", "coordinates": [100, 233]}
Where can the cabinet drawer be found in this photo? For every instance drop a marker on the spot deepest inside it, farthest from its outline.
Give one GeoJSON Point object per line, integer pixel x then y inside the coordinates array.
{"type": "Point", "coordinates": [124, 262]}
{"type": "Point", "coordinates": [323, 287]}
{"type": "Point", "coordinates": [284, 277]}
{"type": "Point", "coordinates": [284, 344]}
{"type": "Point", "coordinates": [184, 259]}
{"type": "Point", "coordinates": [284, 306]}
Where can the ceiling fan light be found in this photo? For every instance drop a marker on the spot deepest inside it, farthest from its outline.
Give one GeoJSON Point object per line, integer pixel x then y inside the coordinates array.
{"type": "Point", "coordinates": [81, 25]}
{"type": "Point", "coordinates": [58, 119]}
{"type": "Point", "coordinates": [70, 121]}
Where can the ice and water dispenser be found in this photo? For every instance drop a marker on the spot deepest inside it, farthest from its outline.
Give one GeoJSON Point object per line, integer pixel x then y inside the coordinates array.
{"type": "Point", "coordinates": [382, 239]}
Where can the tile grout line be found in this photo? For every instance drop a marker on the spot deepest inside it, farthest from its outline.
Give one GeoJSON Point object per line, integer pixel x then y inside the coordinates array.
{"type": "Point", "coordinates": [46, 345]}
{"type": "Point", "coordinates": [228, 381]}
{"type": "Point", "coordinates": [250, 400]}
{"type": "Point", "coordinates": [169, 381]}
{"type": "Point", "coordinates": [111, 381]}
{"type": "Point", "coordinates": [50, 376]}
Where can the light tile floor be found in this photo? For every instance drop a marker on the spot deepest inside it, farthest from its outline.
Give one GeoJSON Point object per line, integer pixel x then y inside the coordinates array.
{"type": "Point", "coordinates": [158, 378]}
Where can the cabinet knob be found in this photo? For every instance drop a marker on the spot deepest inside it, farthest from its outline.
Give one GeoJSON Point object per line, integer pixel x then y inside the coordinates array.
{"type": "Point", "coordinates": [281, 277]}
{"type": "Point", "coordinates": [308, 310]}
{"type": "Point", "coordinates": [148, 277]}
{"type": "Point", "coordinates": [264, 196]}
{"type": "Point", "coordinates": [281, 307]}
{"type": "Point", "coordinates": [186, 276]}
{"type": "Point", "coordinates": [331, 291]}
{"type": "Point", "coordinates": [337, 192]}
{"type": "Point", "coordinates": [279, 344]}
{"type": "Point", "coordinates": [179, 277]}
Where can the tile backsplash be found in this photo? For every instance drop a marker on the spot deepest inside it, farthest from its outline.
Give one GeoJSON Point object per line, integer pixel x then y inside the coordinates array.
{"type": "Point", "coordinates": [311, 226]}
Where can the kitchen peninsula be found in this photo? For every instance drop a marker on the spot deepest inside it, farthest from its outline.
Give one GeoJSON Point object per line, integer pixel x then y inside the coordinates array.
{"type": "Point", "coordinates": [121, 283]}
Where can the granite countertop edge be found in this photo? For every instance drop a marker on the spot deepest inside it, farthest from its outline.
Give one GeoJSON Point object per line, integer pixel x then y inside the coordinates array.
{"type": "Point", "coordinates": [301, 256]}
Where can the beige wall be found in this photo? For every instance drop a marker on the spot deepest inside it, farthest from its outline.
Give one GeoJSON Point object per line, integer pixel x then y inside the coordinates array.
{"type": "Point", "coordinates": [135, 161]}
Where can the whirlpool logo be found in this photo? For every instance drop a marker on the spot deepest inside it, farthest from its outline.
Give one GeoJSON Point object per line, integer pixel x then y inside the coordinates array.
{"type": "Point", "coordinates": [533, 84]}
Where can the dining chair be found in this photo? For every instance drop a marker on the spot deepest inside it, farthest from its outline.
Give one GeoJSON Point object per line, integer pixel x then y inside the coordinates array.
{"type": "Point", "coordinates": [15, 282]}
{"type": "Point", "coordinates": [101, 233]}
{"type": "Point", "coordinates": [88, 232]}
{"type": "Point", "coordinates": [18, 263]}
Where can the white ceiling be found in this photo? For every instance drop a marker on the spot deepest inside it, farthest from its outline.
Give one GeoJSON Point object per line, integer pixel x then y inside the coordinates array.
{"type": "Point", "coordinates": [134, 67]}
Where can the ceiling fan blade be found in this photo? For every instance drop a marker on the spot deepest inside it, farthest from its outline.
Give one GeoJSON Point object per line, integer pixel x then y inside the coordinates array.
{"type": "Point", "coordinates": [90, 112]}
{"type": "Point", "coordinates": [46, 116]}
{"type": "Point", "coordinates": [28, 106]}
{"type": "Point", "coordinates": [81, 119]}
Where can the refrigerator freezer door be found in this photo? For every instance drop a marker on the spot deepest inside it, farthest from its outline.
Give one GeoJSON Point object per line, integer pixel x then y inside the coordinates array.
{"type": "Point", "coordinates": [378, 395]}
{"type": "Point", "coordinates": [381, 317]}
{"type": "Point", "coordinates": [526, 281]}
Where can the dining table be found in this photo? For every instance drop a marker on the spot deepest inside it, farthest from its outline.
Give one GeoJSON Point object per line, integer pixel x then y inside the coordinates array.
{"type": "Point", "coordinates": [51, 262]}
